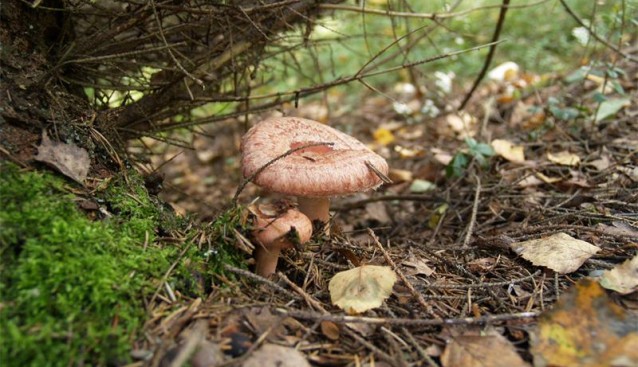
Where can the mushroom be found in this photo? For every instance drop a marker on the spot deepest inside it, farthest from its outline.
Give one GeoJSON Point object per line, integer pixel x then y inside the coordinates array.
{"type": "Point", "coordinates": [277, 228]}
{"type": "Point", "coordinates": [331, 164]}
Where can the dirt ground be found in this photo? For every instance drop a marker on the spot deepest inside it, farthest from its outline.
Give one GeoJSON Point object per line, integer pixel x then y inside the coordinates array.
{"type": "Point", "coordinates": [450, 239]}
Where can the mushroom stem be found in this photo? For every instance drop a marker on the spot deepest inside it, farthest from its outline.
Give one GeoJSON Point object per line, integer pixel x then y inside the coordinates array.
{"type": "Point", "coordinates": [315, 208]}
{"type": "Point", "coordinates": [266, 260]}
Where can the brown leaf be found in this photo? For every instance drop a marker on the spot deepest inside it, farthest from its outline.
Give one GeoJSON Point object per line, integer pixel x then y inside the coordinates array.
{"type": "Point", "coordinates": [585, 328]}
{"type": "Point", "coordinates": [419, 266]}
{"type": "Point", "coordinates": [71, 160]}
{"type": "Point", "coordinates": [330, 330]}
{"type": "Point", "coordinates": [481, 351]}
{"type": "Point", "coordinates": [559, 252]}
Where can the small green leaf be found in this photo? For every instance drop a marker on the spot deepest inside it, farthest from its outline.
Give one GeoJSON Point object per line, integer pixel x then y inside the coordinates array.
{"type": "Point", "coordinates": [599, 97]}
{"type": "Point", "coordinates": [484, 149]}
{"type": "Point", "coordinates": [567, 113]}
{"type": "Point", "coordinates": [610, 107]}
{"type": "Point", "coordinates": [458, 164]}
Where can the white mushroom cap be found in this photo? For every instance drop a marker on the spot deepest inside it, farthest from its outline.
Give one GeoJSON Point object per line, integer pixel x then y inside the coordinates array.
{"type": "Point", "coordinates": [318, 171]}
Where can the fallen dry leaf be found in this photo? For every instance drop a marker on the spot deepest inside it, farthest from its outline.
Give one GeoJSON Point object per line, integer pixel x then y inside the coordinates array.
{"type": "Point", "coordinates": [418, 266]}
{"type": "Point", "coordinates": [377, 211]}
{"type": "Point", "coordinates": [400, 175]}
{"type": "Point", "coordinates": [564, 158]}
{"type": "Point", "coordinates": [71, 160]}
{"type": "Point", "coordinates": [442, 156]}
{"type": "Point", "coordinates": [619, 228]}
{"type": "Point", "coordinates": [462, 123]}
{"type": "Point", "coordinates": [419, 186]}
{"type": "Point", "coordinates": [601, 163]}
{"type": "Point", "coordinates": [537, 179]}
{"type": "Point", "coordinates": [207, 354]}
{"type": "Point", "coordinates": [383, 136]}
{"type": "Point", "coordinates": [330, 330]}
{"type": "Point", "coordinates": [631, 172]}
{"type": "Point", "coordinates": [408, 152]}
{"type": "Point", "coordinates": [272, 355]}
{"type": "Point", "coordinates": [263, 321]}
{"type": "Point", "coordinates": [559, 252]}
{"type": "Point", "coordinates": [509, 151]}
{"type": "Point", "coordinates": [362, 288]}
{"type": "Point", "coordinates": [481, 351]}
{"type": "Point", "coordinates": [585, 328]}
{"type": "Point", "coordinates": [623, 278]}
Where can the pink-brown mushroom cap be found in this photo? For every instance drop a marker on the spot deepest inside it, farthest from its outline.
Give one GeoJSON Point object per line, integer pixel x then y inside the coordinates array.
{"type": "Point", "coordinates": [318, 171]}
{"type": "Point", "coordinates": [273, 231]}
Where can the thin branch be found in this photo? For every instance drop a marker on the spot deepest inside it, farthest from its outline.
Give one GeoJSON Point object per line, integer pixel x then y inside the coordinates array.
{"type": "Point", "coordinates": [490, 55]}
{"type": "Point", "coordinates": [342, 319]}
{"type": "Point", "coordinates": [432, 16]}
{"type": "Point", "coordinates": [595, 35]}
{"type": "Point", "coordinates": [472, 223]}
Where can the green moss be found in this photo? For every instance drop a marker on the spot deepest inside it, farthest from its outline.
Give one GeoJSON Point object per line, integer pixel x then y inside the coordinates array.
{"type": "Point", "coordinates": [72, 290]}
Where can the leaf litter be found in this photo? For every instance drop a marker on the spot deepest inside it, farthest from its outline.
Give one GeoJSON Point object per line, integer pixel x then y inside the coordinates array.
{"type": "Point", "coordinates": [559, 252]}
{"type": "Point", "coordinates": [567, 205]}
{"type": "Point", "coordinates": [71, 160]}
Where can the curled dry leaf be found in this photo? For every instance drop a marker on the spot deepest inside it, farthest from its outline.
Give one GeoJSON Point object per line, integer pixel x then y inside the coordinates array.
{"type": "Point", "coordinates": [623, 278]}
{"type": "Point", "coordinates": [509, 151]}
{"type": "Point", "coordinates": [363, 288]}
{"type": "Point", "coordinates": [564, 158]}
{"type": "Point", "coordinates": [559, 252]}
{"type": "Point", "coordinates": [69, 159]}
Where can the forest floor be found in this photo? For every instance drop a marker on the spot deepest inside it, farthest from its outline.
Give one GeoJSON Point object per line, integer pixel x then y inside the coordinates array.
{"type": "Point", "coordinates": [491, 246]}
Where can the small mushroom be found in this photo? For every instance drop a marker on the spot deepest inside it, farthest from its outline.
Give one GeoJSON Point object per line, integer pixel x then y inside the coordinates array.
{"type": "Point", "coordinates": [276, 229]}
{"type": "Point", "coordinates": [333, 164]}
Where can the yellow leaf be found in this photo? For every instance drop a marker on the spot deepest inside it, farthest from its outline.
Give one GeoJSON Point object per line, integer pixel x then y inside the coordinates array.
{"type": "Point", "coordinates": [362, 288]}
{"type": "Point", "coordinates": [509, 151]}
{"type": "Point", "coordinates": [585, 328]}
{"type": "Point", "coordinates": [564, 158]}
{"type": "Point", "coordinates": [437, 215]}
{"type": "Point", "coordinates": [383, 136]}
